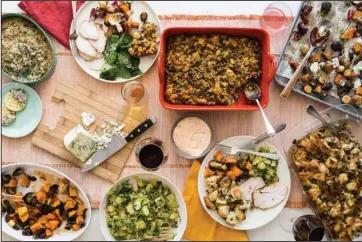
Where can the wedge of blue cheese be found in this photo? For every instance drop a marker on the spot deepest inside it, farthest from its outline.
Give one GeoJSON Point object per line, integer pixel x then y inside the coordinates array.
{"type": "Point", "coordinates": [80, 143]}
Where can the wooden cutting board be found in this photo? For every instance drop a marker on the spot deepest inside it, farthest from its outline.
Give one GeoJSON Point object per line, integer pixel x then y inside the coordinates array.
{"type": "Point", "coordinates": [78, 99]}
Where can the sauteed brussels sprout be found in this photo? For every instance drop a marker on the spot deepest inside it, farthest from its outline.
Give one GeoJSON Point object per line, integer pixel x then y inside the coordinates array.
{"type": "Point", "coordinates": [140, 213]}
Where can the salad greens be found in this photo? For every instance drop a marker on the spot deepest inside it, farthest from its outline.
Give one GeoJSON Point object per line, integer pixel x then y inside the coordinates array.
{"type": "Point", "coordinates": [139, 214]}
{"type": "Point", "coordinates": [116, 54]}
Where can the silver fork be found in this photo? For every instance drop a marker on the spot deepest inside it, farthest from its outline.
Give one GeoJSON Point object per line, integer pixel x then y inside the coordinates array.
{"type": "Point", "coordinates": [165, 234]}
{"type": "Point", "coordinates": [74, 35]}
{"type": "Point", "coordinates": [233, 150]}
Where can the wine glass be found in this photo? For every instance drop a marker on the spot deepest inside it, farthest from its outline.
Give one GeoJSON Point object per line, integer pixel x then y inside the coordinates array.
{"type": "Point", "coordinates": [309, 228]}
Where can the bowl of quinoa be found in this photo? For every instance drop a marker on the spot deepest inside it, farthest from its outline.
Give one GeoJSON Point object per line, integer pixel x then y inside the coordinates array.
{"type": "Point", "coordinates": [28, 55]}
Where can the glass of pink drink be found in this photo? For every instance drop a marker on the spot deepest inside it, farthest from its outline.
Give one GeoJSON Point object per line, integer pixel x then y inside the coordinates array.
{"type": "Point", "coordinates": [277, 16]}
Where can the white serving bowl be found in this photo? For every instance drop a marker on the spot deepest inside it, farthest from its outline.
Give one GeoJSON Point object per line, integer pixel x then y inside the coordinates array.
{"type": "Point", "coordinates": [146, 176]}
{"type": "Point", "coordinates": [59, 234]}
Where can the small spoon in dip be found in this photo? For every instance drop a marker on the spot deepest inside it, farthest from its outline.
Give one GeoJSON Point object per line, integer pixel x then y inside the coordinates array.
{"type": "Point", "coordinates": [252, 92]}
{"type": "Point", "coordinates": [318, 36]}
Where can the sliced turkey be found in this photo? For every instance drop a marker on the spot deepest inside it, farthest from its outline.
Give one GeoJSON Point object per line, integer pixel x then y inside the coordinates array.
{"type": "Point", "coordinates": [270, 196]}
{"type": "Point", "coordinates": [84, 46]}
{"type": "Point", "coordinates": [248, 187]}
{"type": "Point", "coordinates": [90, 58]}
{"type": "Point", "coordinates": [88, 30]}
{"type": "Point", "coordinates": [100, 43]}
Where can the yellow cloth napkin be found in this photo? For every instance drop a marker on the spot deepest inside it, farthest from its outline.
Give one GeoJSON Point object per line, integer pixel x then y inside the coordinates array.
{"type": "Point", "coordinates": [200, 226]}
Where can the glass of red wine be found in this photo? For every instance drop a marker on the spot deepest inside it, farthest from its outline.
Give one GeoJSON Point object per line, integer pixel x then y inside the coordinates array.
{"type": "Point", "coordinates": [309, 228]}
{"type": "Point", "coordinates": [277, 16]}
{"type": "Point", "coordinates": [151, 153]}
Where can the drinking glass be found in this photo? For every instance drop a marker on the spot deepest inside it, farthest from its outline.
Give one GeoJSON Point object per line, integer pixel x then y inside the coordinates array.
{"type": "Point", "coordinates": [149, 164]}
{"type": "Point", "coordinates": [308, 228]}
{"type": "Point", "coordinates": [134, 93]}
{"type": "Point", "coordinates": [277, 16]}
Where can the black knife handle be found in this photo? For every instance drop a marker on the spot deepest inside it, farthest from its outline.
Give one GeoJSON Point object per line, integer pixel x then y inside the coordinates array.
{"type": "Point", "coordinates": [141, 128]}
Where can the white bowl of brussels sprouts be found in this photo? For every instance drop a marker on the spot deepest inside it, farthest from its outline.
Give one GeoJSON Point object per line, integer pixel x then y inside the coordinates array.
{"type": "Point", "coordinates": [138, 206]}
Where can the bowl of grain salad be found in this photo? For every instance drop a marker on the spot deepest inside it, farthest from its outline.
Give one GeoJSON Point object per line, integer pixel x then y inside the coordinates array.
{"type": "Point", "coordinates": [28, 55]}
{"type": "Point", "coordinates": [206, 69]}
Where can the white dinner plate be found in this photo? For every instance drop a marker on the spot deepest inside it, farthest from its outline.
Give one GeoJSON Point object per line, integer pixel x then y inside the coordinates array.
{"type": "Point", "coordinates": [256, 217]}
{"type": "Point", "coordinates": [59, 234]}
{"type": "Point", "coordinates": [146, 176]}
{"type": "Point", "coordinates": [137, 7]}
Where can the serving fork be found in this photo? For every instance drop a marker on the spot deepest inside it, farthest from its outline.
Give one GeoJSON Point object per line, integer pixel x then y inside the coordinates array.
{"type": "Point", "coordinates": [228, 149]}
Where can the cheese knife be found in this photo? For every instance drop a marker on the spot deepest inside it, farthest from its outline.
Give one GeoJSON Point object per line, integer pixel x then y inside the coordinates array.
{"type": "Point", "coordinates": [116, 144]}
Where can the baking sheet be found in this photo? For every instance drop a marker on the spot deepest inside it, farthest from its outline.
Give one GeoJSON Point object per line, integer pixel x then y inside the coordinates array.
{"type": "Point", "coordinates": [337, 16]}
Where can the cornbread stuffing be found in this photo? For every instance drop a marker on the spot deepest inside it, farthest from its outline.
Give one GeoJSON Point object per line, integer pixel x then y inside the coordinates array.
{"type": "Point", "coordinates": [210, 69]}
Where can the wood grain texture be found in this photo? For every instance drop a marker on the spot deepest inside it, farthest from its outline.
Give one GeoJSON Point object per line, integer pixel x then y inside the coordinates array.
{"type": "Point", "coordinates": [78, 99]}
{"type": "Point", "coordinates": [226, 124]}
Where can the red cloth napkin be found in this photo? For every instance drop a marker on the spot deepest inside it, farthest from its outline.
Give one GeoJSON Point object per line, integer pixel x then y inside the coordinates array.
{"type": "Point", "coordinates": [54, 16]}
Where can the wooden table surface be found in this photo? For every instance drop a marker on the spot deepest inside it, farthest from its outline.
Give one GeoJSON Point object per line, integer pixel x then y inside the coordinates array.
{"type": "Point", "coordinates": [226, 124]}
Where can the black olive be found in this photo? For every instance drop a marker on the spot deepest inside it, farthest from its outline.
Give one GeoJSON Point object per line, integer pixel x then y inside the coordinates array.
{"type": "Point", "coordinates": [18, 172]}
{"type": "Point", "coordinates": [337, 46]}
{"type": "Point", "coordinates": [68, 227]}
{"type": "Point", "coordinates": [28, 198]}
{"type": "Point", "coordinates": [10, 190]}
{"type": "Point", "coordinates": [7, 218]}
{"type": "Point", "coordinates": [31, 222]}
{"type": "Point", "coordinates": [326, 7]}
{"type": "Point", "coordinates": [32, 178]}
{"type": "Point", "coordinates": [143, 16]}
{"type": "Point", "coordinates": [10, 209]}
{"type": "Point", "coordinates": [42, 236]}
{"type": "Point", "coordinates": [5, 178]}
{"type": "Point", "coordinates": [16, 227]}
{"type": "Point", "coordinates": [45, 209]}
{"type": "Point", "coordinates": [27, 232]}
{"type": "Point", "coordinates": [328, 86]}
{"type": "Point", "coordinates": [52, 190]}
{"type": "Point", "coordinates": [5, 203]}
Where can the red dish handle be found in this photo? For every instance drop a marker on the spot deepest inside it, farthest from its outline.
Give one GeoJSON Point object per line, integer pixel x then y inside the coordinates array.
{"type": "Point", "coordinates": [273, 67]}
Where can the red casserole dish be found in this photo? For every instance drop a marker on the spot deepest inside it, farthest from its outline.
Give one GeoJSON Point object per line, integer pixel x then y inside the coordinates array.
{"type": "Point", "coordinates": [268, 67]}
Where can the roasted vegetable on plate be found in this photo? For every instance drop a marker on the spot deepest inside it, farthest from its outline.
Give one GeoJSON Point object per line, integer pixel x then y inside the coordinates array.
{"type": "Point", "coordinates": [45, 204]}
{"type": "Point", "coordinates": [237, 183]}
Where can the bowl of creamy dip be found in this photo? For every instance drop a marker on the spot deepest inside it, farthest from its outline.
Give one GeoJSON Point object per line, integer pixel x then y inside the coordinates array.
{"type": "Point", "coordinates": [192, 136]}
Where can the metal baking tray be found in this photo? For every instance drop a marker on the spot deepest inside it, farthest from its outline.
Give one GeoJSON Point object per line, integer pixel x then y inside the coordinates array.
{"type": "Point", "coordinates": [283, 80]}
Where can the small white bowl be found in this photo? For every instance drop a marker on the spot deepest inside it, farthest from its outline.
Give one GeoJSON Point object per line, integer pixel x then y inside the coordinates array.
{"type": "Point", "coordinates": [146, 176]}
{"type": "Point", "coordinates": [212, 140]}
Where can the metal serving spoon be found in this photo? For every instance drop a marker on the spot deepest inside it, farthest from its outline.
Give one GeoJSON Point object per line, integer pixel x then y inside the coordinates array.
{"type": "Point", "coordinates": [74, 35]}
{"type": "Point", "coordinates": [252, 92]}
{"type": "Point", "coordinates": [311, 111]}
{"type": "Point", "coordinates": [313, 43]}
